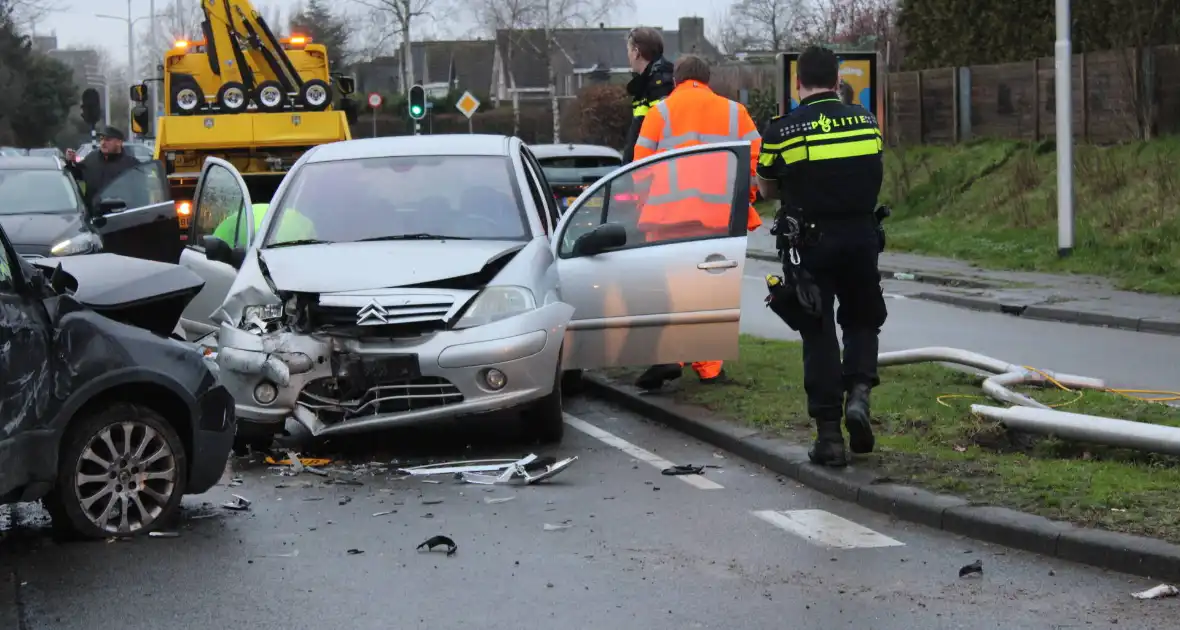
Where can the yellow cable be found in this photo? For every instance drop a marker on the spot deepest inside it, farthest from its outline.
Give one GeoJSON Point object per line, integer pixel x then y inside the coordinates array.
{"type": "Point", "coordinates": [1151, 395]}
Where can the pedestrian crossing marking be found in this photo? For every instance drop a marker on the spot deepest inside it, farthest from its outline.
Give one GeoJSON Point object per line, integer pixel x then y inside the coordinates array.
{"type": "Point", "coordinates": [826, 529]}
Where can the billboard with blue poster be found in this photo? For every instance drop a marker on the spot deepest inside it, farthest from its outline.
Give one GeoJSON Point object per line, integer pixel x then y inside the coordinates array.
{"type": "Point", "coordinates": [858, 69]}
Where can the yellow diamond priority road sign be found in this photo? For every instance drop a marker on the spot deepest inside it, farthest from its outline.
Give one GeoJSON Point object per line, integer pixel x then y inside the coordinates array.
{"type": "Point", "coordinates": [467, 104]}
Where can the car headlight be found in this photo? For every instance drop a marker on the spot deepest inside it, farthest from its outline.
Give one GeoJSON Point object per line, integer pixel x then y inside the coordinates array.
{"type": "Point", "coordinates": [86, 243]}
{"type": "Point", "coordinates": [260, 315]}
{"type": "Point", "coordinates": [496, 303]}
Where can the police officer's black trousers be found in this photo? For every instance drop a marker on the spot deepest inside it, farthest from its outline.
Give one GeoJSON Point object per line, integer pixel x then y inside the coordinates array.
{"type": "Point", "coordinates": [841, 255]}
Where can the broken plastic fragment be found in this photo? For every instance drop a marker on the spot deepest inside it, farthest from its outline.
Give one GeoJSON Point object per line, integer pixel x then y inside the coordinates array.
{"type": "Point", "coordinates": [684, 469]}
{"type": "Point", "coordinates": [431, 501]}
{"type": "Point", "coordinates": [355, 552]}
{"type": "Point", "coordinates": [240, 503]}
{"type": "Point", "coordinates": [439, 541]}
{"type": "Point", "coordinates": [975, 568]}
{"type": "Point", "coordinates": [164, 534]}
{"type": "Point", "coordinates": [385, 513]}
{"type": "Point", "coordinates": [301, 461]}
{"type": "Point", "coordinates": [521, 473]}
{"type": "Point", "coordinates": [553, 528]}
{"type": "Point", "coordinates": [1157, 592]}
{"type": "Point", "coordinates": [491, 501]}
{"type": "Point", "coordinates": [467, 466]}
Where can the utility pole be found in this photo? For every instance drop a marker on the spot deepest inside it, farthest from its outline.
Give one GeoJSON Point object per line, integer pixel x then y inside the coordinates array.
{"type": "Point", "coordinates": [1063, 66]}
{"type": "Point", "coordinates": [130, 67]}
{"type": "Point", "coordinates": [153, 89]}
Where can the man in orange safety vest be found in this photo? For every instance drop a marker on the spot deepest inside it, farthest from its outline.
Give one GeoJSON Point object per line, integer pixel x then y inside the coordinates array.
{"type": "Point", "coordinates": [691, 196]}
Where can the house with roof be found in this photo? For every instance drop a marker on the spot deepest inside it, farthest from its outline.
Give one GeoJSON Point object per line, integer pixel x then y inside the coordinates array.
{"type": "Point", "coordinates": [579, 57]}
{"type": "Point", "coordinates": [439, 66]}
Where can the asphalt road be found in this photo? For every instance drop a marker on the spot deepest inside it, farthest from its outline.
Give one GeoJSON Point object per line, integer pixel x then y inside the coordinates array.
{"type": "Point", "coordinates": [738, 548]}
{"type": "Point", "coordinates": [1123, 358]}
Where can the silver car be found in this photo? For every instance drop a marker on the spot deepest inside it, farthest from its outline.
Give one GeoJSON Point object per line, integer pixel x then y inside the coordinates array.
{"type": "Point", "coordinates": [412, 279]}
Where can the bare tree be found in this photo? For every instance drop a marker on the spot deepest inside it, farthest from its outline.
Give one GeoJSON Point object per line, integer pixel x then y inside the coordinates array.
{"type": "Point", "coordinates": [401, 15]}
{"type": "Point", "coordinates": [26, 13]}
{"type": "Point", "coordinates": [771, 24]}
{"type": "Point", "coordinates": [374, 37]}
{"type": "Point", "coordinates": [179, 20]}
{"type": "Point", "coordinates": [732, 33]}
{"type": "Point", "coordinates": [853, 21]}
{"type": "Point", "coordinates": [511, 17]}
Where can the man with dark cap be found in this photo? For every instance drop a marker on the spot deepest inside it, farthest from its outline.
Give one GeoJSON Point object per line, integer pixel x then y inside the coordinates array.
{"type": "Point", "coordinates": [98, 169]}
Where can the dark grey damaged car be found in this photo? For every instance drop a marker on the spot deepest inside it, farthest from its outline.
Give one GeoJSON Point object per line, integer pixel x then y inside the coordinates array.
{"type": "Point", "coordinates": [103, 413]}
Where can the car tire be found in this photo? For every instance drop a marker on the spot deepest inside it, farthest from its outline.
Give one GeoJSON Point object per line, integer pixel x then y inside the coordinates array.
{"type": "Point", "coordinates": [316, 95]}
{"type": "Point", "coordinates": [270, 96]}
{"type": "Point", "coordinates": [572, 383]}
{"type": "Point", "coordinates": [88, 438]}
{"type": "Point", "coordinates": [543, 421]}
{"type": "Point", "coordinates": [233, 97]}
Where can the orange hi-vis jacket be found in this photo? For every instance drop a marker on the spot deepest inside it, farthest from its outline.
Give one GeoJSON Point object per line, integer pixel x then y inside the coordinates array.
{"type": "Point", "coordinates": [694, 190]}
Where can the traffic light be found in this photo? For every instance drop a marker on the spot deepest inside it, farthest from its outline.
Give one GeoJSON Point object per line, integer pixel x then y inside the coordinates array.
{"type": "Point", "coordinates": [417, 102]}
{"type": "Point", "coordinates": [91, 109]}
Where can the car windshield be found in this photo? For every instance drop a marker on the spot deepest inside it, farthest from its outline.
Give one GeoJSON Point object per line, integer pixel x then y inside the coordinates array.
{"type": "Point", "coordinates": [455, 196]}
{"type": "Point", "coordinates": [36, 192]}
{"type": "Point", "coordinates": [578, 168]}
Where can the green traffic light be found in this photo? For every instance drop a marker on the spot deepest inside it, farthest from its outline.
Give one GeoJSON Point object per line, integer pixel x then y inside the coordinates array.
{"type": "Point", "coordinates": [416, 110]}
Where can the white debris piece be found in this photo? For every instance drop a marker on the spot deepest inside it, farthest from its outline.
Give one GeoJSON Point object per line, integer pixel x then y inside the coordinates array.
{"type": "Point", "coordinates": [1157, 592]}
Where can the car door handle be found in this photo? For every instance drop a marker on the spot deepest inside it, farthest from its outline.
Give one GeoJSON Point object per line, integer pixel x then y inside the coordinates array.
{"type": "Point", "coordinates": [717, 264]}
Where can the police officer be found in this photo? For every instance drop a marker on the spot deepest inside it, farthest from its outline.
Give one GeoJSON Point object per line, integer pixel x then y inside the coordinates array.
{"type": "Point", "coordinates": [823, 162]}
{"type": "Point", "coordinates": [652, 82]}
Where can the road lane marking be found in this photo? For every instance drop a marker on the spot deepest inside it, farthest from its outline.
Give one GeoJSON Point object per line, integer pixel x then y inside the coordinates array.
{"type": "Point", "coordinates": [827, 529]}
{"type": "Point", "coordinates": [698, 481]}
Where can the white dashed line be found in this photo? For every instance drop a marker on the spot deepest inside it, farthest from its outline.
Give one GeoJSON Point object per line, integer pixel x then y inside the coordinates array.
{"type": "Point", "coordinates": [606, 437]}
{"type": "Point", "coordinates": [826, 529]}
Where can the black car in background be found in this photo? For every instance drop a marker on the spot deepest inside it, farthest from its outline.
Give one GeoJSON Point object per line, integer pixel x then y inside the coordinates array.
{"type": "Point", "coordinates": [44, 213]}
{"type": "Point", "coordinates": [570, 168]}
{"type": "Point", "coordinates": [106, 417]}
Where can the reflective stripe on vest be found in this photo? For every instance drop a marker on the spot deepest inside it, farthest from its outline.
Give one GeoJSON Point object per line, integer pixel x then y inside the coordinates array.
{"type": "Point", "coordinates": [669, 141]}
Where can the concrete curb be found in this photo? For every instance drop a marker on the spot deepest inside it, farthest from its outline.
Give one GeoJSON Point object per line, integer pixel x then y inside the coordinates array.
{"type": "Point", "coordinates": [1027, 311]}
{"type": "Point", "coordinates": [1136, 555]}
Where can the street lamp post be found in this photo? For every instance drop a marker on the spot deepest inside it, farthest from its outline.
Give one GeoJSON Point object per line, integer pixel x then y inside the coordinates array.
{"type": "Point", "coordinates": [131, 51]}
{"type": "Point", "coordinates": [1063, 66]}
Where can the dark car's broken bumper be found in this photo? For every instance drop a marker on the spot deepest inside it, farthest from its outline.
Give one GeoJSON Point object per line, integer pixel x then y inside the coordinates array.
{"type": "Point", "coordinates": [213, 439]}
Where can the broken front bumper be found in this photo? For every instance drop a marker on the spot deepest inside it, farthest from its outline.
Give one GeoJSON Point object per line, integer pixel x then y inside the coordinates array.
{"type": "Point", "coordinates": [335, 385]}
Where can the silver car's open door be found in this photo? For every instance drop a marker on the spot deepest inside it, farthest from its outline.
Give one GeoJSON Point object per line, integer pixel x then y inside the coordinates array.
{"type": "Point", "coordinates": [222, 210]}
{"type": "Point", "coordinates": [648, 286]}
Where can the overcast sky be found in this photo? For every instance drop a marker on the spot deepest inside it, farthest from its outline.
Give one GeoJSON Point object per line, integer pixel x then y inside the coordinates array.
{"type": "Point", "coordinates": [77, 27]}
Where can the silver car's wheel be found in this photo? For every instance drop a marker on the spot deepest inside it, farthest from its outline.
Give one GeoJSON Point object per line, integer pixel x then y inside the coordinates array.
{"type": "Point", "coordinates": [122, 472]}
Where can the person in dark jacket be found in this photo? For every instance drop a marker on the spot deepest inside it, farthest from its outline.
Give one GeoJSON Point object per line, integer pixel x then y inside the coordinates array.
{"type": "Point", "coordinates": [98, 169]}
{"type": "Point", "coordinates": [652, 80]}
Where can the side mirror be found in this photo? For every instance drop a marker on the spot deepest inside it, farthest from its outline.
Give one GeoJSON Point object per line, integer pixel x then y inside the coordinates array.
{"type": "Point", "coordinates": [347, 85]}
{"type": "Point", "coordinates": [600, 239]}
{"type": "Point", "coordinates": [141, 122]}
{"type": "Point", "coordinates": [218, 250]}
{"type": "Point", "coordinates": [109, 206]}
{"type": "Point", "coordinates": [139, 93]}
{"type": "Point", "coordinates": [348, 106]}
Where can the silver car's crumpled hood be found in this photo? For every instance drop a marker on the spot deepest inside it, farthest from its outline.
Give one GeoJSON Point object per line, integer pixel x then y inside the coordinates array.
{"type": "Point", "coordinates": [342, 267]}
{"type": "Point", "coordinates": [377, 265]}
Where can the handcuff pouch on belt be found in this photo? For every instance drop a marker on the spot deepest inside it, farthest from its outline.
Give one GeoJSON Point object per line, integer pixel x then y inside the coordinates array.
{"type": "Point", "coordinates": [794, 296]}
{"type": "Point", "coordinates": [880, 214]}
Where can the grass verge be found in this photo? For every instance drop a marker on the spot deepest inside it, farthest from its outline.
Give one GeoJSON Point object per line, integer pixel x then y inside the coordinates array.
{"type": "Point", "coordinates": [994, 203]}
{"type": "Point", "coordinates": [943, 446]}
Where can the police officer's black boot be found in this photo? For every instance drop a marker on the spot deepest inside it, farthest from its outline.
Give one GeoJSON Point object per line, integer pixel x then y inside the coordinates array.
{"type": "Point", "coordinates": [858, 419]}
{"type": "Point", "coordinates": [655, 376]}
{"type": "Point", "coordinates": [828, 449]}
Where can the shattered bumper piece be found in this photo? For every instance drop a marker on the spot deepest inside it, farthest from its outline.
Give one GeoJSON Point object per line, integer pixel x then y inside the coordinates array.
{"type": "Point", "coordinates": [517, 473]}
{"type": "Point", "coordinates": [466, 466]}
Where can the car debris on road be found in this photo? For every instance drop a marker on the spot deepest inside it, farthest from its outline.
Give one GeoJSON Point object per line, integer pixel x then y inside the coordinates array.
{"type": "Point", "coordinates": [439, 541]}
{"type": "Point", "coordinates": [511, 471]}
{"type": "Point", "coordinates": [1157, 592]}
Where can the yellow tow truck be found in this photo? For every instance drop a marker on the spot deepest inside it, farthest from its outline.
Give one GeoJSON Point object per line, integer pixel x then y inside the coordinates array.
{"type": "Point", "coordinates": [243, 95]}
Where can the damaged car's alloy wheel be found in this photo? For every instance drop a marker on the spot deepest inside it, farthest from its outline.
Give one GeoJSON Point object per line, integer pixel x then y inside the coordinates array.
{"type": "Point", "coordinates": [121, 472]}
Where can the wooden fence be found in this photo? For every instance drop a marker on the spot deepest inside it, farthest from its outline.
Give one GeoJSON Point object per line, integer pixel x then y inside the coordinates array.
{"type": "Point", "coordinates": [1118, 96]}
